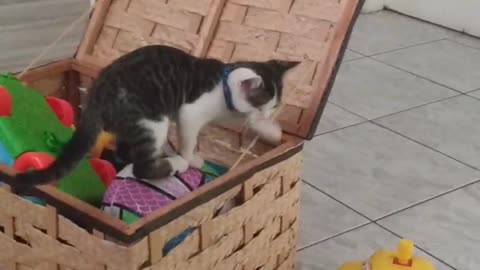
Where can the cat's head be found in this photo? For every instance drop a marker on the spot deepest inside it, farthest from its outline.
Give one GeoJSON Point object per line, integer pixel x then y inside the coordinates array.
{"type": "Point", "coordinates": [257, 86]}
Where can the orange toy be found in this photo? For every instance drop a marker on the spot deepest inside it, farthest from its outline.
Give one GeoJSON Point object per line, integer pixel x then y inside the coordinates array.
{"type": "Point", "coordinates": [402, 259]}
{"type": "Point", "coordinates": [104, 140]}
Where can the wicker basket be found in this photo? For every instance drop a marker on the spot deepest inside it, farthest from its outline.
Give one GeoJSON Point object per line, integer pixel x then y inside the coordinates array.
{"type": "Point", "coordinates": [260, 232]}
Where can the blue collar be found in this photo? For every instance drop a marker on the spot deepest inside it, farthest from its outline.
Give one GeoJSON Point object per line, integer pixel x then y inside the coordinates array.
{"type": "Point", "coordinates": [227, 92]}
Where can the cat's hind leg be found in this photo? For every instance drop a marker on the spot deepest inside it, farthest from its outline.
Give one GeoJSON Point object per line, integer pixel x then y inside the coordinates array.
{"type": "Point", "coordinates": [159, 167]}
{"type": "Point", "coordinates": [146, 151]}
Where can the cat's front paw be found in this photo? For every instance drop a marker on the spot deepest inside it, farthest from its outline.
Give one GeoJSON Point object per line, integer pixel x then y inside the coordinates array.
{"type": "Point", "coordinates": [268, 130]}
{"type": "Point", "coordinates": [178, 164]}
{"type": "Point", "coordinates": [196, 161]}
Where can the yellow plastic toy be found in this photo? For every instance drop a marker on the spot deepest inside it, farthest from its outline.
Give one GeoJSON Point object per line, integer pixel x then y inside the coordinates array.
{"type": "Point", "coordinates": [402, 259]}
{"type": "Point", "coordinates": [104, 140]}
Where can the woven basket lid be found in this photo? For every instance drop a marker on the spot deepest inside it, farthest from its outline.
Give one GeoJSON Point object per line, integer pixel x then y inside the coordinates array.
{"type": "Point", "coordinates": [313, 31]}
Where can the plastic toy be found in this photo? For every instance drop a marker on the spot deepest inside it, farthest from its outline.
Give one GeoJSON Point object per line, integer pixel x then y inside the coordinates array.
{"type": "Point", "coordinates": [402, 259]}
{"type": "Point", "coordinates": [31, 160]}
{"type": "Point", "coordinates": [125, 197]}
{"type": "Point", "coordinates": [32, 131]}
{"type": "Point", "coordinates": [62, 110]}
{"type": "Point", "coordinates": [103, 140]}
{"type": "Point", "coordinates": [5, 102]}
{"type": "Point", "coordinates": [104, 170]}
{"type": "Point", "coordinates": [5, 157]}
{"type": "Point", "coordinates": [129, 198]}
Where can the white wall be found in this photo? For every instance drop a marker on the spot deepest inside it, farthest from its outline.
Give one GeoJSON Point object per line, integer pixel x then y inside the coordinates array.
{"type": "Point", "coordinates": [461, 15]}
{"type": "Point", "coordinates": [27, 26]}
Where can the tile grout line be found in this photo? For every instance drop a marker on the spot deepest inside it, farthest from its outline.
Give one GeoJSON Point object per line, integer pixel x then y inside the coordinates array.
{"type": "Point", "coordinates": [334, 235]}
{"type": "Point", "coordinates": [340, 128]}
{"type": "Point", "coordinates": [417, 106]}
{"type": "Point", "coordinates": [373, 121]}
{"type": "Point", "coordinates": [468, 94]}
{"type": "Point", "coordinates": [462, 44]}
{"type": "Point", "coordinates": [354, 59]}
{"type": "Point", "coordinates": [436, 25]}
{"type": "Point", "coordinates": [473, 182]}
{"type": "Point", "coordinates": [357, 52]}
{"type": "Point", "coordinates": [337, 200]}
{"type": "Point", "coordinates": [365, 120]}
{"type": "Point", "coordinates": [431, 198]}
{"type": "Point", "coordinates": [416, 75]}
{"type": "Point", "coordinates": [345, 109]}
{"type": "Point", "coordinates": [420, 143]}
{"type": "Point", "coordinates": [411, 17]}
{"type": "Point", "coordinates": [472, 91]}
{"type": "Point", "coordinates": [407, 47]}
{"type": "Point", "coordinates": [401, 111]}
{"type": "Point", "coordinates": [402, 48]}
{"type": "Point", "coordinates": [419, 247]}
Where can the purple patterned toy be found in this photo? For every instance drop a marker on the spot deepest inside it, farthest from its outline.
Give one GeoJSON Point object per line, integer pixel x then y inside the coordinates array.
{"type": "Point", "coordinates": [130, 198]}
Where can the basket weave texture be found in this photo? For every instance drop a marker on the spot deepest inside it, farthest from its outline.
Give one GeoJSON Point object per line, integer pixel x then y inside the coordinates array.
{"type": "Point", "coordinates": [260, 232]}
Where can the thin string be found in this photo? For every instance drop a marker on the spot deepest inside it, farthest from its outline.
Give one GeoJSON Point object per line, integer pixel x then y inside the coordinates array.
{"type": "Point", "coordinates": [253, 142]}
{"type": "Point", "coordinates": [244, 152]}
{"type": "Point", "coordinates": [228, 145]}
{"type": "Point", "coordinates": [56, 41]}
{"type": "Point", "coordinates": [277, 113]}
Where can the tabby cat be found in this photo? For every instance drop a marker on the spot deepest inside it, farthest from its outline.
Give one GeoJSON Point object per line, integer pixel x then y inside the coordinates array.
{"type": "Point", "coordinates": [138, 95]}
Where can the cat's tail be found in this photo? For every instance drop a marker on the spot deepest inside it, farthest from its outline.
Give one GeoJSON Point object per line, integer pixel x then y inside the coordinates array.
{"type": "Point", "coordinates": [73, 151]}
{"type": "Point", "coordinates": [7, 178]}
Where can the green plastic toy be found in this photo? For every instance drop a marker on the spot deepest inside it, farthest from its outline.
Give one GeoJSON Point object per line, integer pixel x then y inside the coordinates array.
{"type": "Point", "coordinates": [30, 125]}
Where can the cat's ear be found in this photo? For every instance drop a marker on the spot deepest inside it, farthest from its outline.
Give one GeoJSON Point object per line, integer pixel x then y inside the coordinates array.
{"type": "Point", "coordinates": [254, 90]}
{"type": "Point", "coordinates": [282, 66]}
{"type": "Point", "coordinates": [251, 84]}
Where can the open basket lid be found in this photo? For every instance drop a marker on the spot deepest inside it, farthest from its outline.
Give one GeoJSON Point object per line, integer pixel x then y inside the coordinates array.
{"type": "Point", "coordinates": [313, 31]}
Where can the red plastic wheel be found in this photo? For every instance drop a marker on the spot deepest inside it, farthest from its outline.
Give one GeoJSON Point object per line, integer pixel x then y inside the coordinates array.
{"type": "Point", "coordinates": [32, 160]}
{"type": "Point", "coordinates": [5, 102]}
{"type": "Point", "coordinates": [104, 170]}
{"type": "Point", "coordinates": [62, 109]}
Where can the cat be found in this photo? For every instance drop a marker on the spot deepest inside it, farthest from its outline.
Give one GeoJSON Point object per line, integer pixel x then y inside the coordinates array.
{"type": "Point", "coordinates": [139, 94]}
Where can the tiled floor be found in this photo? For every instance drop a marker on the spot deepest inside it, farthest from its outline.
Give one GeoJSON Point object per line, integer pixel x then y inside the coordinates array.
{"type": "Point", "coordinates": [397, 152]}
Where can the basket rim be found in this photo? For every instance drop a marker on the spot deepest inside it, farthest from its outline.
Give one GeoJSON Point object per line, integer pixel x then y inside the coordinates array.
{"type": "Point", "coordinates": [337, 49]}
{"type": "Point", "coordinates": [92, 218]}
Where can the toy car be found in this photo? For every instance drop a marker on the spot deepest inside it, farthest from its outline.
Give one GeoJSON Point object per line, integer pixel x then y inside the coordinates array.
{"type": "Point", "coordinates": [33, 129]}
